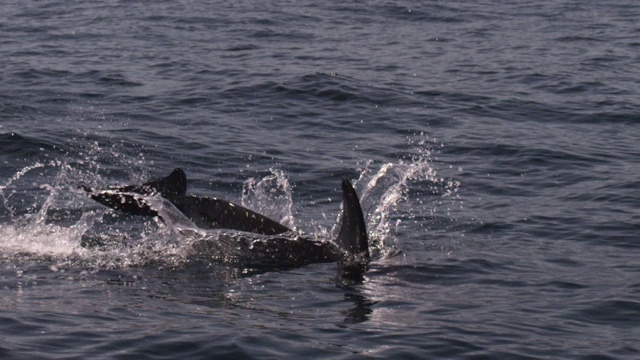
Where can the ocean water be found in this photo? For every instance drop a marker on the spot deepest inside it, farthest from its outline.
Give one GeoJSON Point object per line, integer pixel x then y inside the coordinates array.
{"type": "Point", "coordinates": [494, 146]}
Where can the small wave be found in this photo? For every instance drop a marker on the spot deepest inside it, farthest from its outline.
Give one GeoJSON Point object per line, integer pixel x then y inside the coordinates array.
{"type": "Point", "coordinates": [12, 143]}
{"type": "Point", "coordinates": [323, 87]}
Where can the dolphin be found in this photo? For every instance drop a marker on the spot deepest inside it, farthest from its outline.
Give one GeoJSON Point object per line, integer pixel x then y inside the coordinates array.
{"type": "Point", "coordinates": [204, 212]}
{"type": "Point", "coordinates": [246, 235]}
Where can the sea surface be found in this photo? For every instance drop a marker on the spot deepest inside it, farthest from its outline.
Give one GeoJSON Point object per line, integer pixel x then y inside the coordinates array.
{"type": "Point", "coordinates": [495, 146]}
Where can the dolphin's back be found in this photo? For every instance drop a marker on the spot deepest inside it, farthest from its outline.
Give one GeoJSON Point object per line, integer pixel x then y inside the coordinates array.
{"type": "Point", "coordinates": [264, 251]}
{"type": "Point", "coordinates": [213, 213]}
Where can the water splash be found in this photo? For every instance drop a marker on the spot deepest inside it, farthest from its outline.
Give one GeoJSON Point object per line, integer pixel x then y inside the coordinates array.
{"type": "Point", "coordinates": [271, 196]}
{"type": "Point", "coordinates": [392, 184]}
{"type": "Point", "coordinates": [32, 232]}
{"type": "Point", "coordinates": [390, 193]}
{"type": "Point", "coordinates": [6, 198]}
{"type": "Point", "coordinates": [74, 230]}
{"type": "Point", "coordinates": [64, 231]}
{"type": "Point", "coordinates": [172, 217]}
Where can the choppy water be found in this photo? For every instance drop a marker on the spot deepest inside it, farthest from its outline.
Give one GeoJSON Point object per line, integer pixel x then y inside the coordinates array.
{"type": "Point", "coordinates": [495, 144]}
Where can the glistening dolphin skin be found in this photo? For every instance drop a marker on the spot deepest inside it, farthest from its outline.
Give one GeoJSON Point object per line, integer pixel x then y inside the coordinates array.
{"type": "Point", "coordinates": [259, 239]}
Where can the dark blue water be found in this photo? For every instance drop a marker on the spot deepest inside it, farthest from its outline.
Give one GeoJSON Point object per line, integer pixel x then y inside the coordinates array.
{"type": "Point", "coordinates": [494, 144]}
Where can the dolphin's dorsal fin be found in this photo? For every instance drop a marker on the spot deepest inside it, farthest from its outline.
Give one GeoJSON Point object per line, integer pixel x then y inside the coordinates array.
{"type": "Point", "coordinates": [128, 200]}
{"type": "Point", "coordinates": [353, 231]}
{"type": "Point", "coordinates": [173, 185]}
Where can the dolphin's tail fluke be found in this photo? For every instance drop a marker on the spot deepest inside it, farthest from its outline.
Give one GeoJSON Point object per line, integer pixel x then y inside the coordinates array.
{"type": "Point", "coordinates": [353, 233]}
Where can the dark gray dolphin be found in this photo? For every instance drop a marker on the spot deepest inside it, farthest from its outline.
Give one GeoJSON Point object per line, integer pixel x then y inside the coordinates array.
{"type": "Point", "coordinates": [259, 239]}
{"type": "Point", "coordinates": [204, 212]}
{"type": "Point", "coordinates": [350, 250]}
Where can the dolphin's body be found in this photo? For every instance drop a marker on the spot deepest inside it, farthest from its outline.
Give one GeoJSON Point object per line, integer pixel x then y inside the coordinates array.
{"type": "Point", "coordinates": [248, 235]}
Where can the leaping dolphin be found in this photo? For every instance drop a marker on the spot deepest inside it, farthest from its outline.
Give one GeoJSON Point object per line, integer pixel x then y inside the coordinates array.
{"type": "Point", "coordinates": [258, 238]}
{"type": "Point", "coordinates": [204, 212]}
